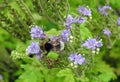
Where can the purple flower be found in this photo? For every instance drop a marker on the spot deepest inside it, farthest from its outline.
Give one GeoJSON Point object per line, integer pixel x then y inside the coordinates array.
{"type": "Point", "coordinates": [37, 32]}
{"type": "Point", "coordinates": [39, 54]}
{"type": "Point", "coordinates": [104, 10]}
{"type": "Point", "coordinates": [92, 44]}
{"type": "Point", "coordinates": [64, 35]}
{"type": "Point", "coordinates": [98, 44]}
{"type": "Point", "coordinates": [81, 20]}
{"type": "Point", "coordinates": [33, 48]}
{"type": "Point", "coordinates": [77, 58]}
{"type": "Point", "coordinates": [69, 20]}
{"type": "Point", "coordinates": [72, 57]}
{"type": "Point", "coordinates": [85, 11]}
{"type": "Point", "coordinates": [53, 38]}
{"type": "Point", "coordinates": [118, 21]}
{"type": "Point", "coordinates": [106, 32]}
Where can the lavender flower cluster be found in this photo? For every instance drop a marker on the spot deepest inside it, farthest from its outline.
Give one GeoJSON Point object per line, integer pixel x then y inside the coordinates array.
{"type": "Point", "coordinates": [77, 58]}
{"type": "Point", "coordinates": [106, 32]}
{"type": "Point", "coordinates": [84, 11]}
{"type": "Point", "coordinates": [70, 20]}
{"type": "Point", "coordinates": [37, 32]}
{"type": "Point", "coordinates": [81, 19]}
{"type": "Point", "coordinates": [92, 44]}
{"type": "Point", "coordinates": [33, 48]}
{"type": "Point", "coordinates": [104, 10]}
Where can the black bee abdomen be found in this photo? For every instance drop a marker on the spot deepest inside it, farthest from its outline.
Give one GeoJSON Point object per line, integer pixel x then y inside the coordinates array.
{"type": "Point", "coordinates": [48, 46]}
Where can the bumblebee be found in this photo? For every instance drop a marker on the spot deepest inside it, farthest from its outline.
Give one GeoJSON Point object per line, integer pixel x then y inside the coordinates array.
{"type": "Point", "coordinates": [52, 45]}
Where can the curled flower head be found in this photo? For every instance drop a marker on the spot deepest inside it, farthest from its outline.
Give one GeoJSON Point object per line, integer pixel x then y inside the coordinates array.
{"type": "Point", "coordinates": [33, 48]}
{"type": "Point", "coordinates": [92, 44]}
{"type": "Point", "coordinates": [85, 11]}
{"type": "Point", "coordinates": [104, 10]}
{"type": "Point", "coordinates": [118, 21]}
{"type": "Point", "coordinates": [77, 58]}
{"type": "Point", "coordinates": [37, 32]}
{"type": "Point", "coordinates": [81, 20]}
{"type": "Point", "coordinates": [106, 32]}
{"type": "Point", "coordinates": [69, 20]}
{"type": "Point", "coordinates": [64, 35]}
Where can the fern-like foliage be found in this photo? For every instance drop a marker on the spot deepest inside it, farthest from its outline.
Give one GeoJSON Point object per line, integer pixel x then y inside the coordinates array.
{"type": "Point", "coordinates": [53, 10]}
{"type": "Point", "coordinates": [17, 16]}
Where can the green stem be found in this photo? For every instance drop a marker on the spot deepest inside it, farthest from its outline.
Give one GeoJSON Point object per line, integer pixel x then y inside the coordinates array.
{"type": "Point", "coordinates": [92, 60]}
{"type": "Point", "coordinates": [57, 13]}
{"type": "Point", "coordinates": [76, 72]}
{"type": "Point", "coordinates": [44, 12]}
{"type": "Point", "coordinates": [25, 9]}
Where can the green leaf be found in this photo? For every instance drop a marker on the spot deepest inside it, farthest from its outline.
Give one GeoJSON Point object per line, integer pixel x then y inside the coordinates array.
{"type": "Point", "coordinates": [106, 72]}
{"type": "Point", "coordinates": [52, 32]}
{"type": "Point", "coordinates": [65, 72]}
{"type": "Point", "coordinates": [82, 78]}
{"type": "Point", "coordinates": [50, 75]}
{"type": "Point", "coordinates": [30, 74]}
{"type": "Point", "coordinates": [85, 33]}
{"type": "Point", "coordinates": [69, 79]}
{"type": "Point", "coordinates": [53, 55]}
{"type": "Point", "coordinates": [102, 67]}
{"type": "Point", "coordinates": [55, 70]}
{"type": "Point", "coordinates": [45, 71]}
{"type": "Point", "coordinates": [115, 3]}
{"type": "Point", "coordinates": [107, 76]}
{"type": "Point", "coordinates": [49, 78]}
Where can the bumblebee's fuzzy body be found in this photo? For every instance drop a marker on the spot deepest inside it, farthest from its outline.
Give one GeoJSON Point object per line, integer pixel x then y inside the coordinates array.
{"type": "Point", "coordinates": [55, 45]}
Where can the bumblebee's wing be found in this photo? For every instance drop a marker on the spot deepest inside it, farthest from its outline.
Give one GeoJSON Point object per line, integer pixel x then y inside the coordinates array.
{"type": "Point", "coordinates": [62, 45]}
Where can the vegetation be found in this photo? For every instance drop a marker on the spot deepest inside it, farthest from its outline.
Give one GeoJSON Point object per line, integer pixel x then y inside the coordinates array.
{"type": "Point", "coordinates": [88, 34]}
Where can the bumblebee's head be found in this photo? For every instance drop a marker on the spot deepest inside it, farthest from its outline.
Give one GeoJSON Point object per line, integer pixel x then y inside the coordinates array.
{"type": "Point", "coordinates": [46, 46]}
